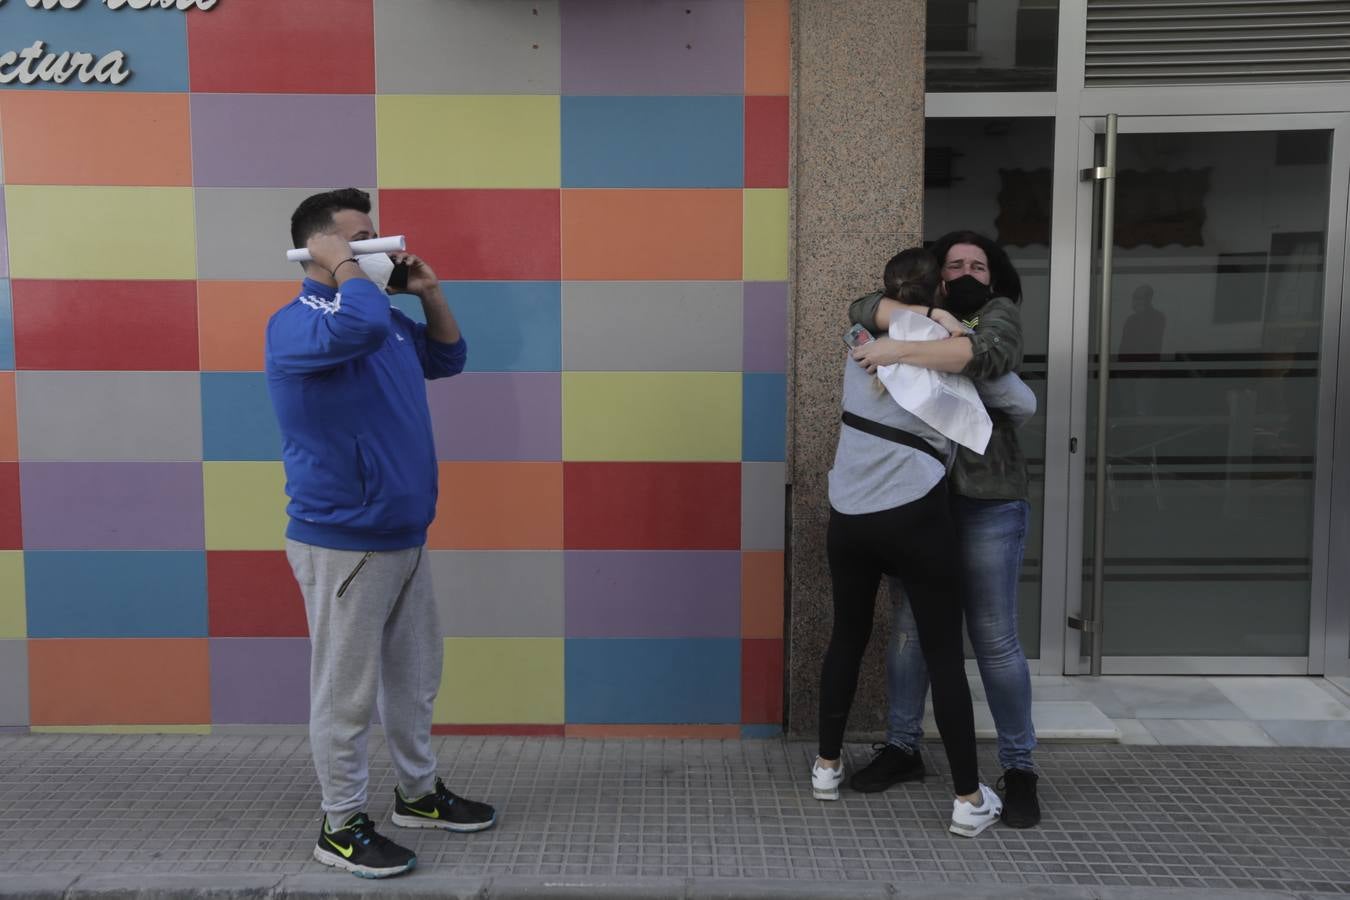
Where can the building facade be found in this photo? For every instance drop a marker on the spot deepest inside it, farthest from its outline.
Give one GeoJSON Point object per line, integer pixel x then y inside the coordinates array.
{"type": "Point", "coordinates": [650, 216]}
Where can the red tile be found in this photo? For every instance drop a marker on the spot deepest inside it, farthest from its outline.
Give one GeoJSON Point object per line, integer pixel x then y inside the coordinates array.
{"type": "Point", "coordinates": [295, 47]}
{"type": "Point", "coordinates": [253, 594]}
{"type": "Point", "coordinates": [11, 523]}
{"type": "Point", "coordinates": [761, 682]}
{"type": "Point", "coordinates": [479, 235]}
{"type": "Point", "coordinates": [117, 325]}
{"type": "Point", "coordinates": [652, 506]}
{"type": "Point", "coordinates": [766, 142]}
{"type": "Point", "coordinates": [512, 730]}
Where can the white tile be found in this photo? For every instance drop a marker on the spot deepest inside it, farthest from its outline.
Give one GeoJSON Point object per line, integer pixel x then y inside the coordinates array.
{"type": "Point", "coordinates": [1162, 697]}
{"type": "Point", "coordinates": [1340, 682]}
{"type": "Point", "coordinates": [1132, 731]}
{"type": "Point", "coordinates": [1303, 733]}
{"type": "Point", "coordinates": [1282, 698]}
{"type": "Point", "coordinates": [1055, 720]}
{"type": "Point", "coordinates": [1208, 733]}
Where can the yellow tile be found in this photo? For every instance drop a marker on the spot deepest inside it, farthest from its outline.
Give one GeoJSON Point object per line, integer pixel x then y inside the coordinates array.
{"type": "Point", "coordinates": [469, 141]}
{"type": "Point", "coordinates": [501, 681]}
{"type": "Point", "coordinates": [13, 606]}
{"type": "Point", "coordinates": [652, 416]}
{"type": "Point", "coordinates": [245, 505]}
{"type": "Point", "coordinates": [766, 235]}
{"type": "Point", "coordinates": [101, 232]}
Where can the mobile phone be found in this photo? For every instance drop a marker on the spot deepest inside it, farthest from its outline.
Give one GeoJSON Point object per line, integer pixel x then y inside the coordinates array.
{"type": "Point", "coordinates": [857, 336]}
{"type": "Point", "coordinates": [398, 279]}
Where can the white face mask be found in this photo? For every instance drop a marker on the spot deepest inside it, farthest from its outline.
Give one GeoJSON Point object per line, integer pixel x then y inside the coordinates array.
{"type": "Point", "coordinates": [377, 267]}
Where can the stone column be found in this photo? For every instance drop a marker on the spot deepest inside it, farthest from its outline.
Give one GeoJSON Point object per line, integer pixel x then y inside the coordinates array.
{"type": "Point", "coordinates": [858, 164]}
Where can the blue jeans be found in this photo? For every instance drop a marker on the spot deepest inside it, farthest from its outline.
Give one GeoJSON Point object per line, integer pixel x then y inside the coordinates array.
{"type": "Point", "coordinates": [992, 536]}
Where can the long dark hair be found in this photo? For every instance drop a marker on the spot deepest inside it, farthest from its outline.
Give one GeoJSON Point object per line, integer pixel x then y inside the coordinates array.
{"type": "Point", "coordinates": [912, 277]}
{"type": "Point", "coordinates": [1003, 277]}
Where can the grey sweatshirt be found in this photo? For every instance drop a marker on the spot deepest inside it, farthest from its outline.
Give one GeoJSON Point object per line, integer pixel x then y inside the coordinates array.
{"type": "Point", "coordinates": [870, 473]}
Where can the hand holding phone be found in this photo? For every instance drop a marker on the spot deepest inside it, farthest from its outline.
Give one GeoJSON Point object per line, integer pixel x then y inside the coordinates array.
{"type": "Point", "coordinates": [857, 336]}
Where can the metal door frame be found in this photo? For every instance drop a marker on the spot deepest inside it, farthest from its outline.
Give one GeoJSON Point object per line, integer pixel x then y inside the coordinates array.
{"type": "Point", "coordinates": [1329, 610]}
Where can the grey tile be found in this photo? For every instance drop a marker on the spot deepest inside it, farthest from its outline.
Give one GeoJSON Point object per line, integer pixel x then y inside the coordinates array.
{"type": "Point", "coordinates": [687, 326]}
{"type": "Point", "coordinates": [499, 593]}
{"type": "Point", "coordinates": [109, 415]}
{"type": "Point", "coordinates": [468, 47]}
{"type": "Point", "coordinates": [762, 505]}
{"type": "Point", "coordinates": [13, 683]}
{"type": "Point", "coordinates": [244, 233]}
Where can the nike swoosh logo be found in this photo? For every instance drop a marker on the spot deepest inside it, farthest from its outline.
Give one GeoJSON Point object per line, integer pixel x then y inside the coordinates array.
{"type": "Point", "coordinates": [345, 851]}
{"type": "Point", "coordinates": [434, 814]}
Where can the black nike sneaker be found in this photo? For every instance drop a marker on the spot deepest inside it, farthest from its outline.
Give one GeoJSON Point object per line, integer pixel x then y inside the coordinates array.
{"type": "Point", "coordinates": [891, 765]}
{"type": "Point", "coordinates": [358, 848]}
{"type": "Point", "coordinates": [442, 809]}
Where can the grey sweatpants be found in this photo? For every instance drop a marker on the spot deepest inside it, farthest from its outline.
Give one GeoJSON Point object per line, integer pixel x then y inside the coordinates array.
{"type": "Point", "coordinates": [375, 638]}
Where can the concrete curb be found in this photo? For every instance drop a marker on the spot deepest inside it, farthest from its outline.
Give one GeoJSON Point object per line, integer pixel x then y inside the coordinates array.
{"type": "Point", "coordinates": [513, 887]}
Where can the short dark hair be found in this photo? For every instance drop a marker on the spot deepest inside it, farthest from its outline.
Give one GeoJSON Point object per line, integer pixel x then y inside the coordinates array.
{"type": "Point", "coordinates": [1003, 277]}
{"type": "Point", "coordinates": [315, 214]}
{"type": "Point", "coordinates": [912, 276]}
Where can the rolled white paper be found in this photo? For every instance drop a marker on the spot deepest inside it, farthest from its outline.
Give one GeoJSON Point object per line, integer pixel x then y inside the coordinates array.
{"type": "Point", "coordinates": [393, 244]}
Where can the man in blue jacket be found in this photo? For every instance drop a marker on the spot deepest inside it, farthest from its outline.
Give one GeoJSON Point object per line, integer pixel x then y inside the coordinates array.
{"type": "Point", "coordinates": [346, 372]}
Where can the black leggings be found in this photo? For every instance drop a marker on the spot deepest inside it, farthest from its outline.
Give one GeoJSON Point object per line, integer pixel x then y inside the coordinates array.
{"type": "Point", "coordinates": [917, 543]}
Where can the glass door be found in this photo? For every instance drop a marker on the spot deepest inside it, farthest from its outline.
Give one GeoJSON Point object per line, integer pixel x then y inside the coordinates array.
{"type": "Point", "coordinates": [1207, 309]}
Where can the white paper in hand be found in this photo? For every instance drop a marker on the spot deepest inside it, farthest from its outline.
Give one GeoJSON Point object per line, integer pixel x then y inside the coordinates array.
{"type": "Point", "coordinates": [945, 402]}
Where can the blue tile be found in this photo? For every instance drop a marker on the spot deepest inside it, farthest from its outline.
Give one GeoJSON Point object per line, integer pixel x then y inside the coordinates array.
{"type": "Point", "coordinates": [654, 142]}
{"type": "Point", "coordinates": [109, 594]}
{"type": "Point", "coordinates": [6, 327]}
{"type": "Point", "coordinates": [154, 41]}
{"type": "Point", "coordinates": [760, 732]}
{"type": "Point", "coordinates": [511, 326]}
{"type": "Point", "coordinates": [653, 681]}
{"type": "Point", "coordinates": [763, 417]}
{"type": "Point", "coordinates": [237, 418]}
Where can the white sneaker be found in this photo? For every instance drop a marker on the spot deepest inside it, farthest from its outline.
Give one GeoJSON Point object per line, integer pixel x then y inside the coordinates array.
{"type": "Point", "coordinates": [969, 820]}
{"type": "Point", "coordinates": [825, 781]}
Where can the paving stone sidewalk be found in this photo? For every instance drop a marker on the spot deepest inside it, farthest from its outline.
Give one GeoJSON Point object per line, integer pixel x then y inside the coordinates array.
{"type": "Point", "coordinates": [177, 815]}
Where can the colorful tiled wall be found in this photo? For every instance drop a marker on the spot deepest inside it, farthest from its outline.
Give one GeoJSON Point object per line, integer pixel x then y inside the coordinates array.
{"type": "Point", "coordinates": [602, 184]}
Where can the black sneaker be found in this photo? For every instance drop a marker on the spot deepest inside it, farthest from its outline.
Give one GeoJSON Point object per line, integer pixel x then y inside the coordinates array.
{"type": "Point", "coordinates": [890, 766]}
{"type": "Point", "coordinates": [442, 809]}
{"type": "Point", "coordinates": [358, 848]}
{"type": "Point", "coordinates": [1021, 809]}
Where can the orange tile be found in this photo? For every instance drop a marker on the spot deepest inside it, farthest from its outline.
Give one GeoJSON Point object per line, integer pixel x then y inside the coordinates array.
{"type": "Point", "coordinates": [499, 506]}
{"type": "Point", "coordinates": [762, 594]}
{"type": "Point", "coordinates": [9, 426]}
{"type": "Point", "coordinates": [767, 46]}
{"type": "Point", "coordinates": [712, 732]}
{"type": "Point", "coordinates": [231, 316]}
{"type": "Point", "coordinates": [162, 681]}
{"type": "Point", "coordinates": [57, 137]}
{"type": "Point", "coordinates": [651, 235]}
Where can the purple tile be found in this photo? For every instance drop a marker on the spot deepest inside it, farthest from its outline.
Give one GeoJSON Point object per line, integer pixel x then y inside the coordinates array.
{"type": "Point", "coordinates": [653, 47]}
{"type": "Point", "coordinates": [112, 505]}
{"type": "Point", "coordinates": [269, 140]}
{"type": "Point", "coordinates": [766, 334]}
{"type": "Point", "coordinates": [497, 416]}
{"type": "Point", "coordinates": [636, 593]}
{"type": "Point", "coordinates": [259, 681]}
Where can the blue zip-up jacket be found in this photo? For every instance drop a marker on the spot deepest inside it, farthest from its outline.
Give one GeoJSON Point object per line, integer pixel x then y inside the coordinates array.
{"type": "Point", "coordinates": [346, 371]}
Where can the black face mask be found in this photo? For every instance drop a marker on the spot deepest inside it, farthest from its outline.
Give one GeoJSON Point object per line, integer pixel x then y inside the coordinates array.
{"type": "Point", "coordinates": [966, 296]}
